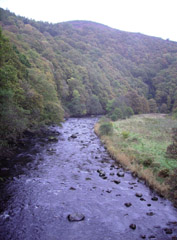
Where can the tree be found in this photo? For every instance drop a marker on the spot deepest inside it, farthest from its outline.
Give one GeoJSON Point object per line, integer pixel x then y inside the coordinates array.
{"type": "Point", "coordinates": [152, 106]}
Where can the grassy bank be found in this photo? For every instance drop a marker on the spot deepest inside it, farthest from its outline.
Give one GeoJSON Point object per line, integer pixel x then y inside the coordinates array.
{"type": "Point", "coordinates": [139, 144]}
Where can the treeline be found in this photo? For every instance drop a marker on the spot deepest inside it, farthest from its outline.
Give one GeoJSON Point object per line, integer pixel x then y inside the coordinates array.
{"type": "Point", "coordinates": [81, 68]}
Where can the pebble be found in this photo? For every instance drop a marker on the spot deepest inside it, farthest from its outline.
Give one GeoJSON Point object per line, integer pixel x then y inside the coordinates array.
{"type": "Point", "coordinates": [133, 226]}
{"type": "Point", "coordinates": [128, 204]}
{"type": "Point", "coordinates": [120, 174]}
{"type": "Point", "coordinates": [139, 195]}
{"type": "Point", "coordinates": [168, 230]}
{"type": "Point", "coordinates": [76, 217]}
{"type": "Point", "coordinates": [150, 214]}
{"type": "Point", "coordinates": [116, 181]}
{"type": "Point", "coordinates": [154, 198]}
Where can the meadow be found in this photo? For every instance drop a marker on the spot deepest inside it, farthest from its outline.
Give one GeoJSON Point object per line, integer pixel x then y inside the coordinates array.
{"type": "Point", "coordinates": [140, 144]}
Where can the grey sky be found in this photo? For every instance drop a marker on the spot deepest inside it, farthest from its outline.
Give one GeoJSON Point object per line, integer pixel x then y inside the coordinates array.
{"type": "Point", "coordinates": [151, 17]}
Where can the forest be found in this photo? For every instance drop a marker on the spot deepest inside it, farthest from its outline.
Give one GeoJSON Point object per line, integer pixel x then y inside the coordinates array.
{"type": "Point", "coordinates": [52, 71]}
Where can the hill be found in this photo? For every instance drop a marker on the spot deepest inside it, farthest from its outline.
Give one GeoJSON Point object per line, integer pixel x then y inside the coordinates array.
{"type": "Point", "coordinates": [80, 68]}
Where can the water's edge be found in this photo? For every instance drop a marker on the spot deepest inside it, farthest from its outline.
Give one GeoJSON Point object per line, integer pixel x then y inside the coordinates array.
{"type": "Point", "coordinates": [77, 175]}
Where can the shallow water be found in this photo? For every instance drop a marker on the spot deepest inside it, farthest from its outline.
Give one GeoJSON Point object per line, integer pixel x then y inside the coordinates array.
{"type": "Point", "coordinates": [62, 178]}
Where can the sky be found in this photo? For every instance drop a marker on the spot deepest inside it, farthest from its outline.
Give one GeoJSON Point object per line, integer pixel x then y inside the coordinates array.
{"type": "Point", "coordinates": [151, 17]}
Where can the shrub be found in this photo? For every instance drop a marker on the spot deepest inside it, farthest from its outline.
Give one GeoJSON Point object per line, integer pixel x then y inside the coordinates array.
{"type": "Point", "coordinates": [163, 173]}
{"type": "Point", "coordinates": [125, 134]}
{"type": "Point", "coordinates": [106, 128]}
{"type": "Point", "coordinates": [147, 162]}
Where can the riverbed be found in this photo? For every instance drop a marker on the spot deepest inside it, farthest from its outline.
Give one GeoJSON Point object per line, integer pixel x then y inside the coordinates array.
{"type": "Point", "coordinates": [71, 189]}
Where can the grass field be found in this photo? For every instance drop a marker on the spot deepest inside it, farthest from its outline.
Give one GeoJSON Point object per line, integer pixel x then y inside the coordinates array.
{"type": "Point", "coordinates": [140, 143]}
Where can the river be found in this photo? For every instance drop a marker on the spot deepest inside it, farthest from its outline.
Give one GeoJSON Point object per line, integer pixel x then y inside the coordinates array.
{"type": "Point", "coordinates": [70, 190]}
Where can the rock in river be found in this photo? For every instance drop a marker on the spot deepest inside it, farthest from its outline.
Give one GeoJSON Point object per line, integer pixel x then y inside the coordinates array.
{"type": "Point", "coordinates": [120, 174]}
{"type": "Point", "coordinates": [138, 195]}
{"type": "Point", "coordinates": [133, 226]}
{"type": "Point", "coordinates": [76, 217]}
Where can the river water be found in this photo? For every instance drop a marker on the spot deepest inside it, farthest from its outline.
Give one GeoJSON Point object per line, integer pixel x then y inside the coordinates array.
{"type": "Point", "coordinates": [75, 176]}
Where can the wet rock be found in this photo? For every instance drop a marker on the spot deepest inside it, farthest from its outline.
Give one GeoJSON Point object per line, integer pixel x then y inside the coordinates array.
{"type": "Point", "coordinates": [76, 217]}
{"type": "Point", "coordinates": [102, 174]}
{"type": "Point", "coordinates": [142, 199]}
{"type": "Point", "coordinates": [104, 177]}
{"type": "Point", "coordinates": [131, 183]}
{"type": "Point", "coordinates": [116, 181]}
{"type": "Point", "coordinates": [133, 226]}
{"type": "Point", "coordinates": [73, 136]}
{"type": "Point", "coordinates": [112, 174]}
{"type": "Point", "coordinates": [72, 188]}
{"type": "Point", "coordinates": [168, 230]}
{"type": "Point", "coordinates": [88, 179]}
{"type": "Point", "coordinates": [52, 139]}
{"type": "Point", "coordinates": [143, 236]}
{"type": "Point", "coordinates": [154, 198]}
{"type": "Point", "coordinates": [128, 204]}
{"type": "Point", "coordinates": [134, 174]}
{"type": "Point", "coordinates": [151, 236]}
{"type": "Point", "coordinates": [150, 214]}
{"type": "Point", "coordinates": [120, 174]}
{"type": "Point", "coordinates": [149, 205]}
{"type": "Point", "coordinates": [139, 195]}
{"type": "Point", "coordinates": [108, 191]}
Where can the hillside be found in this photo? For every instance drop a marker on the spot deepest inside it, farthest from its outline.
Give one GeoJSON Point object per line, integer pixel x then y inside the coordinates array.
{"type": "Point", "coordinates": [80, 68]}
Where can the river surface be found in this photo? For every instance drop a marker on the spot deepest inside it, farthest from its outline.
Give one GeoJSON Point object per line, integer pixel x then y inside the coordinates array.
{"type": "Point", "coordinates": [75, 176]}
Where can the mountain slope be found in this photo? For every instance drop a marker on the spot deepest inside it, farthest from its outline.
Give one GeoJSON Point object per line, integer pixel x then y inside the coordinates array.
{"type": "Point", "coordinates": [84, 65]}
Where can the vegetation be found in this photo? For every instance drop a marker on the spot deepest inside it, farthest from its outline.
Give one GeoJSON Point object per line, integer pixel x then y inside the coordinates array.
{"type": "Point", "coordinates": [79, 68]}
{"type": "Point", "coordinates": [141, 144]}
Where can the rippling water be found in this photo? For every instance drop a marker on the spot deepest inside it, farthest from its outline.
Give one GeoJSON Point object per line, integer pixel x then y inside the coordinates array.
{"type": "Point", "coordinates": [76, 175]}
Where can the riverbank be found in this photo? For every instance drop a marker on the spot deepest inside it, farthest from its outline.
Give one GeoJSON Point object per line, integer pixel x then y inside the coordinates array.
{"type": "Point", "coordinates": [140, 144]}
{"type": "Point", "coordinates": [25, 143]}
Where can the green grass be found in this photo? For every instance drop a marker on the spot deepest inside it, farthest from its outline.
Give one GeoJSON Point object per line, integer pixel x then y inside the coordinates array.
{"type": "Point", "coordinates": [146, 137]}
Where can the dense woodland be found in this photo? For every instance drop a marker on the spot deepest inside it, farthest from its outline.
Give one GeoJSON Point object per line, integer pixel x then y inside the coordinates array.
{"type": "Point", "coordinates": [51, 71]}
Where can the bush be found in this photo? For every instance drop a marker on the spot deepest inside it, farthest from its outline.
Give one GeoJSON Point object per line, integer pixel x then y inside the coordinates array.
{"type": "Point", "coordinates": [106, 128]}
{"type": "Point", "coordinates": [125, 134]}
{"type": "Point", "coordinates": [163, 173]}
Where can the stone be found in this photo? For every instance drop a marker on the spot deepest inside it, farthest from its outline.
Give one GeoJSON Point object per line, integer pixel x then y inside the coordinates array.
{"type": "Point", "coordinates": [120, 174]}
{"type": "Point", "coordinates": [72, 188]}
{"type": "Point", "coordinates": [104, 177]}
{"type": "Point", "coordinates": [168, 230]}
{"type": "Point", "coordinates": [111, 174]}
{"type": "Point", "coordinates": [154, 198]}
{"type": "Point", "coordinates": [73, 136]}
{"type": "Point", "coordinates": [76, 217]}
{"type": "Point", "coordinates": [128, 204]}
{"type": "Point", "coordinates": [149, 205]}
{"type": "Point", "coordinates": [133, 226]}
{"type": "Point", "coordinates": [151, 236]}
{"type": "Point", "coordinates": [139, 195]}
{"type": "Point", "coordinates": [150, 214]}
{"type": "Point", "coordinates": [52, 139]}
{"type": "Point", "coordinates": [108, 191]}
{"type": "Point", "coordinates": [143, 236]}
{"type": "Point", "coordinates": [88, 179]}
{"type": "Point", "coordinates": [116, 181]}
{"type": "Point", "coordinates": [142, 199]}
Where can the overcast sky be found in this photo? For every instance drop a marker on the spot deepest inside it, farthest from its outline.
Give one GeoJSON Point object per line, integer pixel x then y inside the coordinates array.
{"type": "Point", "coordinates": [151, 17]}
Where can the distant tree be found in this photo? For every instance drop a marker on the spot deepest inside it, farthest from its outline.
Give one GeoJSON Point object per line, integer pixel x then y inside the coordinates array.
{"type": "Point", "coordinates": [163, 108]}
{"type": "Point", "coordinates": [134, 101]}
{"type": "Point", "coordinates": [128, 112]}
{"type": "Point", "coordinates": [152, 106]}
